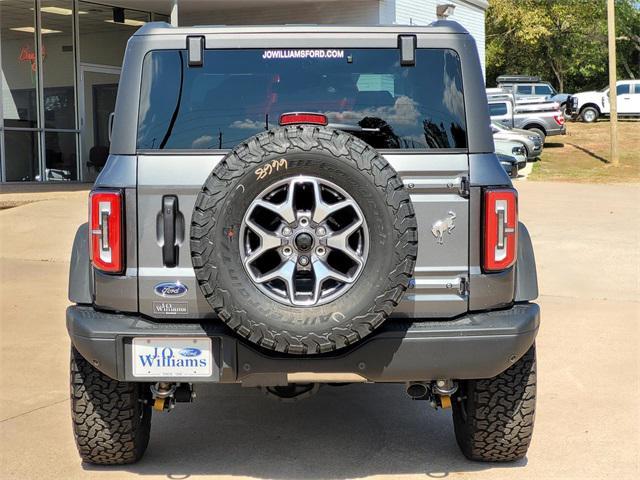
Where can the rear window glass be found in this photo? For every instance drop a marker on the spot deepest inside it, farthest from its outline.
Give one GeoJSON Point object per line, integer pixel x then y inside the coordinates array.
{"type": "Point", "coordinates": [239, 93]}
{"type": "Point", "coordinates": [524, 89]}
{"type": "Point", "coordinates": [497, 109]}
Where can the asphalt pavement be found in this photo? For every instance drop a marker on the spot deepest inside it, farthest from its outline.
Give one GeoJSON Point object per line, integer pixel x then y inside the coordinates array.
{"type": "Point", "coordinates": [587, 242]}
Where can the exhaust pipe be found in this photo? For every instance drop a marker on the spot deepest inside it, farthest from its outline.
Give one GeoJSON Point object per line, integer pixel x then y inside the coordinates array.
{"type": "Point", "coordinates": [417, 390]}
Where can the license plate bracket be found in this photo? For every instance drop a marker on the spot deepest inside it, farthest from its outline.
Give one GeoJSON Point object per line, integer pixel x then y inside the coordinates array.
{"type": "Point", "coordinates": [171, 357]}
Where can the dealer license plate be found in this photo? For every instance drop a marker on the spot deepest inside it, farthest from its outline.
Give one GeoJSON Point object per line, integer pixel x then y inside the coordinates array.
{"type": "Point", "coordinates": [172, 357]}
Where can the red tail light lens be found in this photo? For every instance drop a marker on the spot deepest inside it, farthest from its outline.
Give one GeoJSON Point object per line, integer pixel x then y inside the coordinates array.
{"type": "Point", "coordinates": [559, 119]}
{"type": "Point", "coordinates": [500, 229]}
{"type": "Point", "coordinates": [295, 118]}
{"type": "Point", "coordinates": [106, 230]}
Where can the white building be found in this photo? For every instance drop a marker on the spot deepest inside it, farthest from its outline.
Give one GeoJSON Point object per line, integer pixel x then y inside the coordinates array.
{"type": "Point", "coordinates": [61, 63]}
{"type": "Point", "coordinates": [469, 13]}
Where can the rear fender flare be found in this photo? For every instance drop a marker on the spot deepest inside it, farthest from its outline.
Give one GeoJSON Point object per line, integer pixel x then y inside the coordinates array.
{"type": "Point", "coordinates": [526, 274]}
{"type": "Point", "coordinates": [80, 285]}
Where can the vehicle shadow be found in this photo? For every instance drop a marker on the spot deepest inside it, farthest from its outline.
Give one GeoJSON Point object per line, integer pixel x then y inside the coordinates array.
{"type": "Point", "coordinates": [342, 432]}
{"type": "Point", "coordinates": [553, 145]}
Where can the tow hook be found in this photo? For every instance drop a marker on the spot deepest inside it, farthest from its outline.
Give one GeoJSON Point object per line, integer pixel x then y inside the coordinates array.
{"type": "Point", "coordinates": [165, 395]}
{"type": "Point", "coordinates": [437, 392]}
{"type": "Point", "coordinates": [442, 390]}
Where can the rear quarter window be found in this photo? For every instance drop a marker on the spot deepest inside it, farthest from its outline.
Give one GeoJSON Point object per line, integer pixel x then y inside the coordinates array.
{"type": "Point", "coordinates": [239, 93]}
{"type": "Point", "coordinates": [544, 90]}
{"type": "Point", "coordinates": [497, 109]}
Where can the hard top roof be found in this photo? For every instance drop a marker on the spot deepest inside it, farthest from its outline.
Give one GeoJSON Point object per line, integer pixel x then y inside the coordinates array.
{"type": "Point", "coordinates": [162, 28]}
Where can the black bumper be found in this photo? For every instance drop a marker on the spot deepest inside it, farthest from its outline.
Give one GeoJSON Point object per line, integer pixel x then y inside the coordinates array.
{"type": "Point", "coordinates": [477, 345]}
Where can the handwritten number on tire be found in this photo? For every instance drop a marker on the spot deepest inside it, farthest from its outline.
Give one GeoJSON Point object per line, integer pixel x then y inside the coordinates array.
{"type": "Point", "coordinates": [268, 168]}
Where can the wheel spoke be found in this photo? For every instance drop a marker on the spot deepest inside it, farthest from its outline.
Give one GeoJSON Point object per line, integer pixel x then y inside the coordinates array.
{"type": "Point", "coordinates": [268, 240]}
{"type": "Point", "coordinates": [322, 209]}
{"type": "Point", "coordinates": [285, 209]}
{"type": "Point", "coordinates": [340, 240]}
{"type": "Point", "coordinates": [285, 272]}
{"type": "Point", "coordinates": [322, 272]}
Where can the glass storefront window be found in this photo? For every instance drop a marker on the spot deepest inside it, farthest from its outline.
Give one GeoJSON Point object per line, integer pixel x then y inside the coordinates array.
{"type": "Point", "coordinates": [50, 70]}
{"type": "Point", "coordinates": [100, 85]}
{"type": "Point", "coordinates": [58, 64]}
{"type": "Point", "coordinates": [98, 27]}
{"type": "Point", "coordinates": [21, 156]}
{"type": "Point", "coordinates": [19, 65]}
{"type": "Point", "coordinates": [60, 156]}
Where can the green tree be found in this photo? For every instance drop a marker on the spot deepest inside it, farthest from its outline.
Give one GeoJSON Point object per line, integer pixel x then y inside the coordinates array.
{"type": "Point", "coordinates": [562, 41]}
{"type": "Point", "coordinates": [628, 39]}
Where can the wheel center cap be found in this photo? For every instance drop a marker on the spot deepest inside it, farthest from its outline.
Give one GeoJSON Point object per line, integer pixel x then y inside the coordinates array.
{"type": "Point", "coordinates": [304, 242]}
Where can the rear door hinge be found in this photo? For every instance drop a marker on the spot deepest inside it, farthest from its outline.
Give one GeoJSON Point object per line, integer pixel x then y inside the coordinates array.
{"type": "Point", "coordinates": [463, 287]}
{"type": "Point", "coordinates": [463, 186]}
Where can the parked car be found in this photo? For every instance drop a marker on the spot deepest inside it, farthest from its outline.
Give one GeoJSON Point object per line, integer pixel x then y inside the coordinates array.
{"type": "Point", "coordinates": [512, 148]}
{"type": "Point", "coordinates": [526, 86]}
{"type": "Point", "coordinates": [509, 163]}
{"type": "Point", "coordinates": [280, 214]}
{"type": "Point", "coordinates": [531, 141]}
{"type": "Point", "coordinates": [592, 105]}
{"type": "Point", "coordinates": [543, 118]}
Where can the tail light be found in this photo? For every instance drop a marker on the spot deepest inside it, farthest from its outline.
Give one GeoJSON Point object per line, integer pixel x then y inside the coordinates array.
{"type": "Point", "coordinates": [295, 118]}
{"type": "Point", "coordinates": [106, 230]}
{"type": "Point", "coordinates": [559, 119]}
{"type": "Point", "coordinates": [500, 229]}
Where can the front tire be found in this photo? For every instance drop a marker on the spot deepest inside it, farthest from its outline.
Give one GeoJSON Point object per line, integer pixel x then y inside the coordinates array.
{"type": "Point", "coordinates": [543, 136]}
{"type": "Point", "coordinates": [111, 419]}
{"type": "Point", "coordinates": [493, 418]}
{"type": "Point", "coordinates": [590, 114]}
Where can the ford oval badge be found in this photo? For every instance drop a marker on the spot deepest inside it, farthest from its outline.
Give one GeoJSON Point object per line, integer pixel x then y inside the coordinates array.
{"type": "Point", "coordinates": [170, 289]}
{"type": "Point", "coordinates": [190, 352]}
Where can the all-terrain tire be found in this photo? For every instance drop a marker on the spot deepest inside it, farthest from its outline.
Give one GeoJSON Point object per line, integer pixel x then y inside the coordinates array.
{"type": "Point", "coordinates": [493, 418]}
{"type": "Point", "coordinates": [334, 156]}
{"type": "Point", "coordinates": [111, 424]}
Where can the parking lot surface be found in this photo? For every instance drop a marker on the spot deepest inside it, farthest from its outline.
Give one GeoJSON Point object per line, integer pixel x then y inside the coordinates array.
{"type": "Point", "coordinates": [587, 241]}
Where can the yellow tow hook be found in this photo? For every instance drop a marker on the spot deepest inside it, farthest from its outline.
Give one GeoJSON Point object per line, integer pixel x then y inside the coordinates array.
{"type": "Point", "coordinates": [445, 401]}
{"type": "Point", "coordinates": [158, 404]}
{"type": "Point", "coordinates": [444, 388]}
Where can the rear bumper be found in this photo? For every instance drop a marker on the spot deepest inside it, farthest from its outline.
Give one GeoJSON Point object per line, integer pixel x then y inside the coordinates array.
{"type": "Point", "coordinates": [562, 130]}
{"type": "Point", "coordinates": [477, 345]}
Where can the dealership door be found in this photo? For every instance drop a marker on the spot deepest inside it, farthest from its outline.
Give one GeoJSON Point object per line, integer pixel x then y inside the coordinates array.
{"type": "Point", "coordinates": [98, 87]}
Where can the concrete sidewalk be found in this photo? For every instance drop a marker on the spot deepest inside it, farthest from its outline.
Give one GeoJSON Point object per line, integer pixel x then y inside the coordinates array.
{"type": "Point", "coordinates": [11, 196]}
{"type": "Point", "coordinates": [587, 241]}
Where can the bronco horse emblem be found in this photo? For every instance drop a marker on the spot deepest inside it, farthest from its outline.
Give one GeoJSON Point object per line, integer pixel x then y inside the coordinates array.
{"type": "Point", "coordinates": [441, 226]}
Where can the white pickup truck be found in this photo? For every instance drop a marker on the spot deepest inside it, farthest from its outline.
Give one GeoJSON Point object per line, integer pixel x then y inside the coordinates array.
{"type": "Point", "coordinates": [594, 104]}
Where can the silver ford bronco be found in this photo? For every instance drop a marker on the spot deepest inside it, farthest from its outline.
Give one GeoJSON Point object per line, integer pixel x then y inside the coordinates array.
{"type": "Point", "coordinates": [286, 207]}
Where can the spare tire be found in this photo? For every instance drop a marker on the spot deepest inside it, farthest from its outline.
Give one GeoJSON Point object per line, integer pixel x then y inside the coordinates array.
{"type": "Point", "coordinates": [303, 239]}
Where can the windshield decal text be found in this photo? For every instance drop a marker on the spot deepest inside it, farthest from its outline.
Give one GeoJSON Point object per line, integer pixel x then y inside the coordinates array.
{"type": "Point", "coordinates": [317, 53]}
